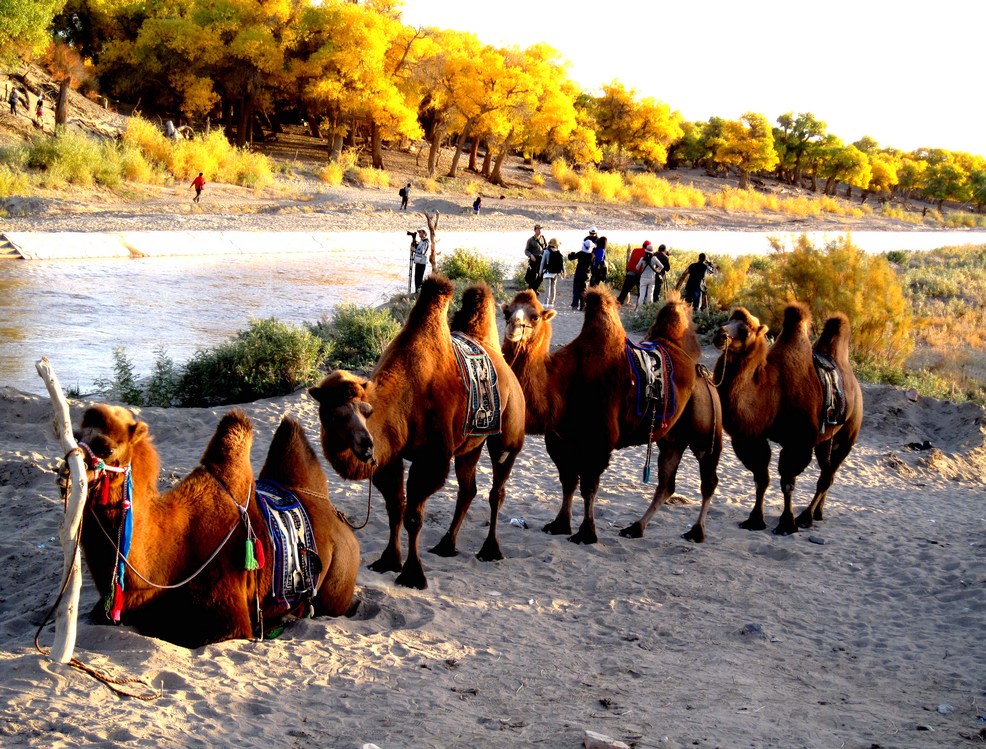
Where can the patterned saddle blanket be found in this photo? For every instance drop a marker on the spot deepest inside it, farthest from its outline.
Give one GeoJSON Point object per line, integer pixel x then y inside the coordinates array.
{"type": "Point", "coordinates": [833, 391]}
{"type": "Point", "coordinates": [479, 378]}
{"type": "Point", "coordinates": [653, 373]}
{"type": "Point", "coordinates": [296, 562]}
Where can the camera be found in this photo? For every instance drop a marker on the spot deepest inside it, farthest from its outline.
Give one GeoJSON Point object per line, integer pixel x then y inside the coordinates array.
{"type": "Point", "coordinates": [411, 233]}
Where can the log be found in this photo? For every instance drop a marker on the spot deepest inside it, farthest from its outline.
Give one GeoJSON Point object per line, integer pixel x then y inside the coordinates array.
{"type": "Point", "coordinates": [66, 617]}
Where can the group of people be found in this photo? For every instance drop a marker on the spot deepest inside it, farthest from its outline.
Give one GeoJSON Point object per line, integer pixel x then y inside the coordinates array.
{"type": "Point", "coordinates": [647, 269]}
{"type": "Point", "coordinates": [14, 99]}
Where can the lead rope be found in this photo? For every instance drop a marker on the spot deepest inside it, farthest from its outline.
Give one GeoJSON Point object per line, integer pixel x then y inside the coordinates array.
{"type": "Point", "coordinates": [650, 441]}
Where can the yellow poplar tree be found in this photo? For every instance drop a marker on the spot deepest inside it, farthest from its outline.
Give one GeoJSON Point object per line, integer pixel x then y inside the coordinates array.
{"type": "Point", "coordinates": [748, 146]}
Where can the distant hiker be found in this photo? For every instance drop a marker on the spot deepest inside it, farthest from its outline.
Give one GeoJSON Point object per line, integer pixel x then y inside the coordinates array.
{"type": "Point", "coordinates": [13, 100]}
{"type": "Point", "coordinates": [695, 273]}
{"type": "Point", "coordinates": [405, 193]}
{"type": "Point", "coordinates": [534, 250]}
{"type": "Point", "coordinates": [476, 204]}
{"type": "Point", "coordinates": [39, 111]}
{"type": "Point", "coordinates": [419, 254]}
{"type": "Point", "coordinates": [198, 183]}
{"type": "Point", "coordinates": [552, 266]}
{"type": "Point", "coordinates": [599, 270]}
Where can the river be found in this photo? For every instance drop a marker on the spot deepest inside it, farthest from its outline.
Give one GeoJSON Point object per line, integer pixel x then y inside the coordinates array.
{"type": "Point", "coordinates": [77, 311]}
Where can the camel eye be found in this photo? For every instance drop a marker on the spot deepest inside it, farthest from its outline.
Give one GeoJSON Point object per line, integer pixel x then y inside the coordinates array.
{"type": "Point", "coordinates": [366, 409]}
{"type": "Point", "coordinates": [535, 318]}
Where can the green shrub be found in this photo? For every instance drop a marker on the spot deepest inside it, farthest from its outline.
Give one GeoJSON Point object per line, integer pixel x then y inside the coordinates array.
{"type": "Point", "coordinates": [357, 335]}
{"type": "Point", "coordinates": [124, 385]}
{"type": "Point", "coordinates": [471, 266]}
{"type": "Point", "coordinates": [162, 389]}
{"type": "Point", "coordinates": [271, 358]}
{"type": "Point", "coordinates": [12, 181]}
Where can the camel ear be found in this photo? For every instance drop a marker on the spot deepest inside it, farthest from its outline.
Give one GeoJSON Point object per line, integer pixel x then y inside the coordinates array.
{"type": "Point", "coordinates": [317, 393]}
{"type": "Point", "coordinates": [506, 309]}
{"type": "Point", "coordinates": [549, 314]}
{"type": "Point", "coordinates": [138, 432]}
{"type": "Point", "coordinates": [762, 331]}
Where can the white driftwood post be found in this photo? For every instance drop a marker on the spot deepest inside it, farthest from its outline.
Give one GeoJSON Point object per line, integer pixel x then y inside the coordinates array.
{"type": "Point", "coordinates": [67, 615]}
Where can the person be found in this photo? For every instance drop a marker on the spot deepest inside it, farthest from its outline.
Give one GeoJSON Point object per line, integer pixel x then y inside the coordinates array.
{"type": "Point", "coordinates": [476, 204]}
{"type": "Point", "coordinates": [405, 193]}
{"type": "Point", "coordinates": [648, 268]}
{"type": "Point", "coordinates": [14, 96]}
{"type": "Point", "coordinates": [39, 110]}
{"type": "Point", "coordinates": [695, 273]}
{"type": "Point", "coordinates": [599, 271]}
{"type": "Point", "coordinates": [663, 256]}
{"type": "Point", "coordinates": [534, 250]}
{"type": "Point", "coordinates": [419, 254]}
{"type": "Point", "coordinates": [198, 183]}
{"type": "Point", "coordinates": [632, 277]}
{"type": "Point", "coordinates": [552, 267]}
{"type": "Point", "coordinates": [583, 262]}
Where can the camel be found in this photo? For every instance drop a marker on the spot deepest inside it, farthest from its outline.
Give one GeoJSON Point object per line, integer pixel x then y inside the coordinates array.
{"type": "Point", "coordinates": [414, 408]}
{"type": "Point", "coordinates": [185, 577]}
{"type": "Point", "coordinates": [582, 398]}
{"type": "Point", "coordinates": [772, 393]}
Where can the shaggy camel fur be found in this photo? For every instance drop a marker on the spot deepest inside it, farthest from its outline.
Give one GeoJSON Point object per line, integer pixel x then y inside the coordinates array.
{"type": "Point", "coordinates": [194, 537]}
{"type": "Point", "coordinates": [414, 408]}
{"type": "Point", "coordinates": [583, 399]}
{"type": "Point", "coordinates": [772, 393]}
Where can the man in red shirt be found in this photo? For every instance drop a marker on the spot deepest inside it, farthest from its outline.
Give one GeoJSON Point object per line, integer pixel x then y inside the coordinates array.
{"type": "Point", "coordinates": [632, 278]}
{"type": "Point", "coordinates": [198, 183]}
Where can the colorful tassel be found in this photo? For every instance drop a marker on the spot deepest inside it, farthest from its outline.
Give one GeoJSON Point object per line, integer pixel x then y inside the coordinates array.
{"type": "Point", "coordinates": [259, 553]}
{"type": "Point", "coordinates": [647, 473]}
{"type": "Point", "coordinates": [251, 560]}
{"type": "Point", "coordinates": [117, 610]}
{"type": "Point", "coordinates": [104, 498]}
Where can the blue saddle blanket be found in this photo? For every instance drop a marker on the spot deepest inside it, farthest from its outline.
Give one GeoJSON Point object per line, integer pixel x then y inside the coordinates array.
{"type": "Point", "coordinates": [296, 562]}
{"type": "Point", "coordinates": [480, 380]}
{"type": "Point", "coordinates": [653, 373]}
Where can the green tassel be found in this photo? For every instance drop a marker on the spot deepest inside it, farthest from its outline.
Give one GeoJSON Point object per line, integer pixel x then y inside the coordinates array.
{"type": "Point", "coordinates": [251, 560]}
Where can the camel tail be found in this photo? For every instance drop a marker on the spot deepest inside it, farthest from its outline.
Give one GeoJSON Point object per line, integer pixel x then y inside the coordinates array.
{"type": "Point", "coordinates": [834, 340]}
{"type": "Point", "coordinates": [477, 315]}
{"type": "Point", "coordinates": [797, 320]}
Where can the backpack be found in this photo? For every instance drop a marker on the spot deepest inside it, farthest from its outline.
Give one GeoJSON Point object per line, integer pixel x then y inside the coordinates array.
{"type": "Point", "coordinates": [402, 192]}
{"type": "Point", "coordinates": [556, 263]}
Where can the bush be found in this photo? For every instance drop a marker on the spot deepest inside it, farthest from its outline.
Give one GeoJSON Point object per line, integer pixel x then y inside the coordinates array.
{"type": "Point", "coordinates": [271, 358]}
{"type": "Point", "coordinates": [471, 266]}
{"type": "Point", "coordinates": [12, 181]}
{"type": "Point", "coordinates": [369, 177]}
{"type": "Point", "coordinates": [124, 385]}
{"type": "Point", "coordinates": [357, 335]}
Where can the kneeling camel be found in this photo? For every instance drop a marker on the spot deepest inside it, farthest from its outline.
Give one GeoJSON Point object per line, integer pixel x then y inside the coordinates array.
{"type": "Point", "coordinates": [183, 553]}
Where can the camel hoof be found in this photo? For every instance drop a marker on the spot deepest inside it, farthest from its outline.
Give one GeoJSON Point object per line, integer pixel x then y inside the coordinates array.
{"type": "Point", "coordinates": [633, 531]}
{"type": "Point", "coordinates": [785, 529]}
{"type": "Point", "coordinates": [583, 538]}
{"type": "Point", "coordinates": [819, 515]}
{"type": "Point", "coordinates": [383, 564]}
{"type": "Point", "coordinates": [412, 581]}
{"type": "Point", "coordinates": [751, 524]}
{"type": "Point", "coordinates": [804, 520]}
{"type": "Point", "coordinates": [558, 528]}
{"type": "Point", "coordinates": [445, 548]}
{"type": "Point", "coordinates": [696, 534]}
{"type": "Point", "coordinates": [489, 554]}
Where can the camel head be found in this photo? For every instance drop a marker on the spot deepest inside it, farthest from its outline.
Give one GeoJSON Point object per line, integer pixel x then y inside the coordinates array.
{"type": "Point", "coordinates": [740, 332]}
{"type": "Point", "coordinates": [527, 320]}
{"type": "Point", "coordinates": [343, 409]}
{"type": "Point", "coordinates": [111, 436]}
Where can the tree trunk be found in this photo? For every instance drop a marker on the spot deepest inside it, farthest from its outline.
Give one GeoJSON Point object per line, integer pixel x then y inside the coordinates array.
{"type": "Point", "coordinates": [496, 177]}
{"type": "Point", "coordinates": [463, 136]}
{"type": "Point", "coordinates": [744, 179]}
{"type": "Point", "coordinates": [244, 120]}
{"type": "Point", "coordinates": [376, 147]}
{"type": "Point", "coordinates": [61, 107]}
{"type": "Point", "coordinates": [436, 144]}
{"type": "Point", "coordinates": [473, 153]}
{"type": "Point", "coordinates": [487, 161]}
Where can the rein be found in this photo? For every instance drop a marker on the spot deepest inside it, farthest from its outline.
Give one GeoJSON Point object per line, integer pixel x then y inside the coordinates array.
{"type": "Point", "coordinates": [339, 513]}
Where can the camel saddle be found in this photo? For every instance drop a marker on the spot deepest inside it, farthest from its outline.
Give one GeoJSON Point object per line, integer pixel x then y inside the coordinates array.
{"type": "Point", "coordinates": [296, 562]}
{"type": "Point", "coordinates": [833, 392]}
{"type": "Point", "coordinates": [653, 375]}
{"type": "Point", "coordinates": [479, 378]}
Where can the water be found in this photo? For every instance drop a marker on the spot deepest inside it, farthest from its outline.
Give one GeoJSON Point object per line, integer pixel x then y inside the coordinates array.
{"type": "Point", "coordinates": [77, 311]}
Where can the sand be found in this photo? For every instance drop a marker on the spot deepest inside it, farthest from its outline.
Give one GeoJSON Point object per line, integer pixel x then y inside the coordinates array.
{"type": "Point", "coordinates": [866, 631]}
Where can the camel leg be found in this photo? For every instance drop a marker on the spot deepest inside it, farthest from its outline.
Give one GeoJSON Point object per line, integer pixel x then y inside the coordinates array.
{"type": "Point", "coordinates": [465, 473]}
{"type": "Point", "coordinates": [587, 531]}
{"type": "Point", "coordinates": [667, 471]}
{"type": "Point", "coordinates": [830, 456]}
{"type": "Point", "coordinates": [793, 460]}
{"type": "Point", "coordinates": [503, 463]}
{"type": "Point", "coordinates": [425, 477]}
{"type": "Point", "coordinates": [708, 467]}
{"type": "Point", "coordinates": [568, 474]}
{"type": "Point", "coordinates": [755, 455]}
{"type": "Point", "coordinates": [390, 481]}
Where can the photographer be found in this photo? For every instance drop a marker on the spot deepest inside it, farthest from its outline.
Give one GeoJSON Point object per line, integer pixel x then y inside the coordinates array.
{"type": "Point", "coordinates": [420, 246]}
{"type": "Point", "coordinates": [695, 275]}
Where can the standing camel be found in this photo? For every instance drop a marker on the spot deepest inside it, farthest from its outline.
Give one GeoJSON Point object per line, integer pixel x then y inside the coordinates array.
{"type": "Point", "coordinates": [415, 407]}
{"type": "Point", "coordinates": [773, 393]}
{"type": "Point", "coordinates": [583, 399]}
{"type": "Point", "coordinates": [183, 553]}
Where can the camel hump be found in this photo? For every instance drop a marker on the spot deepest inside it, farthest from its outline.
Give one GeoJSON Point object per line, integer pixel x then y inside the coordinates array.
{"type": "Point", "coordinates": [834, 340]}
{"type": "Point", "coordinates": [291, 456]}
{"type": "Point", "coordinates": [477, 315]}
{"type": "Point", "coordinates": [232, 439]}
{"type": "Point", "coordinates": [797, 320]}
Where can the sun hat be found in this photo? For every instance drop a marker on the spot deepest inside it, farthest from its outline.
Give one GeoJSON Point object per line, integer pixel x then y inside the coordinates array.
{"type": "Point", "coordinates": [424, 229]}
{"type": "Point", "coordinates": [552, 242]}
{"type": "Point", "coordinates": [592, 229]}
{"type": "Point", "coordinates": [538, 226]}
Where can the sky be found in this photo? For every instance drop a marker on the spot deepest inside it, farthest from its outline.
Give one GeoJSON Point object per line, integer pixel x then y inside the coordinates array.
{"type": "Point", "coordinates": [906, 74]}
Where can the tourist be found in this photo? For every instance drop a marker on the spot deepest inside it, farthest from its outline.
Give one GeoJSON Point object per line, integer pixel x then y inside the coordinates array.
{"type": "Point", "coordinates": [419, 254]}
{"type": "Point", "coordinates": [633, 277]}
{"type": "Point", "coordinates": [552, 267]}
{"type": "Point", "coordinates": [14, 96]}
{"type": "Point", "coordinates": [198, 183]}
{"type": "Point", "coordinates": [583, 263]}
{"type": "Point", "coordinates": [405, 193]}
{"type": "Point", "coordinates": [663, 256]}
{"type": "Point", "coordinates": [534, 250]}
{"type": "Point", "coordinates": [599, 270]}
{"type": "Point", "coordinates": [695, 275]}
{"type": "Point", "coordinates": [476, 204]}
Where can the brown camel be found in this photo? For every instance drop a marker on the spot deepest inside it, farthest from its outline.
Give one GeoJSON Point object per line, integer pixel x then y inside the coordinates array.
{"type": "Point", "coordinates": [185, 579]}
{"type": "Point", "coordinates": [772, 393]}
{"type": "Point", "coordinates": [414, 407]}
{"type": "Point", "coordinates": [583, 398]}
